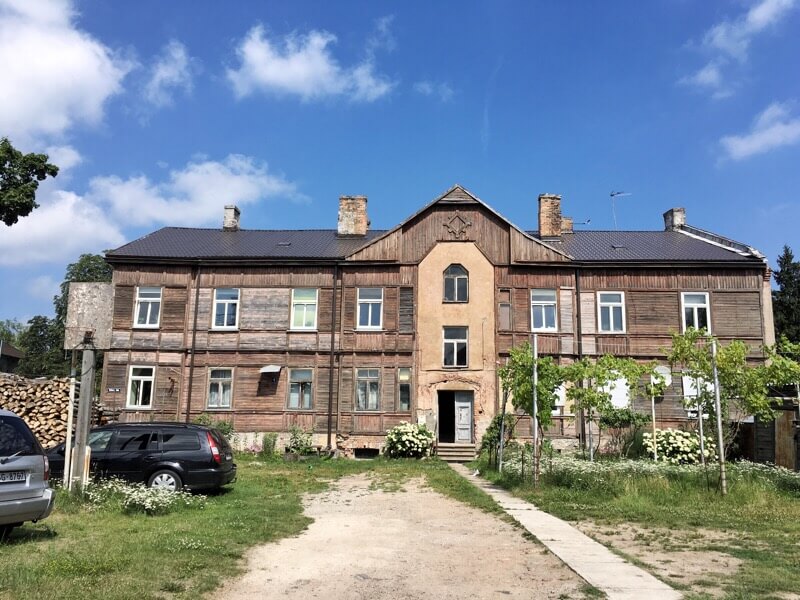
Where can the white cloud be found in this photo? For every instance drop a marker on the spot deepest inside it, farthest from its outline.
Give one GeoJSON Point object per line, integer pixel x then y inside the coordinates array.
{"type": "Point", "coordinates": [64, 157]}
{"type": "Point", "coordinates": [191, 196]}
{"type": "Point", "coordinates": [59, 75]}
{"type": "Point", "coordinates": [730, 40]}
{"type": "Point", "coordinates": [43, 287]}
{"type": "Point", "coordinates": [303, 65]}
{"type": "Point", "coordinates": [65, 225]}
{"type": "Point", "coordinates": [172, 71]}
{"type": "Point", "coordinates": [430, 88]}
{"type": "Point", "coordinates": [773, 128]}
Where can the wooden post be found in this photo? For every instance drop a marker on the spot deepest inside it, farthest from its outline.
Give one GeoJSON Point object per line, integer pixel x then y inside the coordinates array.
{"type": "Point", "coordinates": [700, 423]}
{"type": "Point", "coordinates": [79, 470]}
{"type": "Point", "coordinates": [502, 431]}
{"type": "Point", "coordinates": [70, 411]}
{"type": "Point", "coordinates": [535, 414]}
{"type": "Point", "coordinates": [723, 482]}
{"type": "Point", "coordinates": [653, 409]}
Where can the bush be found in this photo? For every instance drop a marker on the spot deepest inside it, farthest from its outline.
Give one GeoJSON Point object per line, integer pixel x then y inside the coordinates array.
{"type": "Point", "coordinates": [678, 447]}
{"type": "Point", "coordinates": [224, 427]}
{"type": "Point", "coordinates": [299, 441]}
{"type": "Point", "coordinates": [131, 498]}
{"type": "Point", "coordinates": [408, 441]}
{"type": "Point", "coordinates": [268, 444]}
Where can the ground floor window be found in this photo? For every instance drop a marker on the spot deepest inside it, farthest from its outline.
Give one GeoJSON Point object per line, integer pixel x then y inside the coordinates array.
{"type": "Point", "coordinates": [220, 388]}
{"type": "Point", "coordinates": [404, 389]}
{"type": "Point", "coordinates": [140, 387]}
{"type": "Point", "coordinates": [300, 387]}
{"type": "Point", "coordinates": [367, 389]}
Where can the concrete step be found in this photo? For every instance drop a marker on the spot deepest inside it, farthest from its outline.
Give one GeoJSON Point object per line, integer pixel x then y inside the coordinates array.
{"type": "Point", "coordinates": [456, 452]}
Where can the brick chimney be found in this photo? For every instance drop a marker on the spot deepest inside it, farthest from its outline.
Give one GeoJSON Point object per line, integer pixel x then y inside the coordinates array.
{"type": "Point", "coordinates": [674, 219]}
{"type": "Point", "coordinates": [353, 220]}
{"type": "Point", "coordinates": [230, 221]}
{"type": "Point", "coordinates": [550, 216]}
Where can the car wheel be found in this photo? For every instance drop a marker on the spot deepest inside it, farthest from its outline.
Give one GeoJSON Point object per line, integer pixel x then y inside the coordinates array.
{"type": "Point", "coordinates": [165, 480]}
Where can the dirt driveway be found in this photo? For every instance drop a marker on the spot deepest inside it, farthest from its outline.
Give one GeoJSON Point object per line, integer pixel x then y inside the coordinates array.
{"type": "Point", "coordinates": [410, 543]}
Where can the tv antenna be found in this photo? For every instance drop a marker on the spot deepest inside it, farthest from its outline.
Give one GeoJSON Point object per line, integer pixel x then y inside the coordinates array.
{"type": "Point", "coordinates": [613, 196]}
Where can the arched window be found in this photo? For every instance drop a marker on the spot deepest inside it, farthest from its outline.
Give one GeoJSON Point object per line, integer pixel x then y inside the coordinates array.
{"type": "Point", "coordinates": [456, 284]}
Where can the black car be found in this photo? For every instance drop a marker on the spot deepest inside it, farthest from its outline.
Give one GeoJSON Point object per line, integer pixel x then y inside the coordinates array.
{"type": "Point", "coordinates": [162, 455]}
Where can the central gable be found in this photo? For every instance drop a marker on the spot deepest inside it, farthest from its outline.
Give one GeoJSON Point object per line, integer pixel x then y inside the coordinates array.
{"type": "Point", "coordinates": [455, 216]}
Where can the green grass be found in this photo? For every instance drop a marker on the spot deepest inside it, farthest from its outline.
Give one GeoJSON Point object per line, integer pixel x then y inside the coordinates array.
{"type": "Point", "coordinates": [761, 524]}
{"type": "Point", "coordinates": [77, 553]}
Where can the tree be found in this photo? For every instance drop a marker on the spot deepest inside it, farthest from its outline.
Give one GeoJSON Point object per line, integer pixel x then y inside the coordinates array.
{"type": "Point", "coordinates": [20, 175]}
{"type": "Point", "coordinates": [786, 299]}
{"type": "Point", "coordinates": [42, 345]}
{"type": "Point", "coordinates": [516, 377]}
{"type": "Point", "coordinates": [88, 268]}
{"type": "Point", "coordinates": [10, 330]}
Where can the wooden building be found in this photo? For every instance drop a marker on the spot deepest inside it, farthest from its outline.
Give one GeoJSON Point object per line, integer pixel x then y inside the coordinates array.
{"type": "Point", "coordinates": [350, 331]}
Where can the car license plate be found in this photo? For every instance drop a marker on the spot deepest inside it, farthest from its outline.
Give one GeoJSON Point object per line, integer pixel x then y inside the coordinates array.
{"type": "Point", "coordinates": [12, 476]}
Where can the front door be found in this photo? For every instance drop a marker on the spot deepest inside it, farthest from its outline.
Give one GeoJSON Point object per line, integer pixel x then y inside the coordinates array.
{"type": "Point", "coordinates": [463, 406]}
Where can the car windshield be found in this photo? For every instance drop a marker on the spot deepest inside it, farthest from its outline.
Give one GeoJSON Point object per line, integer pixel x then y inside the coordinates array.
{"type": "Point", "coordinates": [16, 438]}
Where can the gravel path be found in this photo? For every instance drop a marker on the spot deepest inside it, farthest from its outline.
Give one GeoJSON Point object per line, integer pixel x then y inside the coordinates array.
{"type": "Point", "coordinates": [413, 543]}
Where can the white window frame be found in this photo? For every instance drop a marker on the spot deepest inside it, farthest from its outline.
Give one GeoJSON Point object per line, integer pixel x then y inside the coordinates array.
{"type": "Point", "coordinates": [300, 391]}
{"type": "Point", "coordinates": [611, 305]}
{"type": "Point", "coordinates": [455, 343]}
{"type": "Point", "coordinates": [369, 304]}
{"type": "Point", "coordinates": [149, 302]}
{"type": "Point", "coordinates": [141, 378]}
{"type": "Point", "coordinates": [304, 304]}
{"type": "Point", "coordinates": [544, 305]}
{"type": "Point", "coordinates": [219, 381]}
{"type": "Point", "coordinates": [455, 279]}
{"type": "Point", "coordinates": [227, 302]}
{"type": "Point", "coordinates": [707, 306]}
{"type": "Point", "coordinates": [368, 379]}
{"type": "Point", "coordinates": [402, 382]}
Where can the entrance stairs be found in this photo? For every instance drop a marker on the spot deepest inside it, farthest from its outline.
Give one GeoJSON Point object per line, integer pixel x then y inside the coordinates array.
{"type": "Point", "coordinates": [456, 453]}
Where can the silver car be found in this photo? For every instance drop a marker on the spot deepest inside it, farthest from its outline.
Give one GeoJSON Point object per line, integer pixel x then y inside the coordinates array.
{"type": "Point", "coordinates": [24, 472]}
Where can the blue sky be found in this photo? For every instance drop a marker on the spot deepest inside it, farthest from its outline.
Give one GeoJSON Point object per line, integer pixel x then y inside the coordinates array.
{"type": "Point", "coordinates": [160, 113]}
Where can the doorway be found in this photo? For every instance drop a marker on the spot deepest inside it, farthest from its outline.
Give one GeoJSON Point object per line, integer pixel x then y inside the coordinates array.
{"type": "Point", "coordinates": [455, 417]}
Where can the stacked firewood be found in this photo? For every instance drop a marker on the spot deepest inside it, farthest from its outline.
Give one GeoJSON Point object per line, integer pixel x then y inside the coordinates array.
{"type": "Point", "coordinates": [42, 403]}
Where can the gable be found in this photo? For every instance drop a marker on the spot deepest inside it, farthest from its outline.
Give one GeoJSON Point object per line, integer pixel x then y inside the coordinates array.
{"type": "Point", "coordinates": [456, 216]}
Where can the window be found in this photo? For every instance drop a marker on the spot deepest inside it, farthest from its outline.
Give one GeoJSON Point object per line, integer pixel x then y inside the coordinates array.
{"type": "Point", "coordinates": [504, 311]}
{"type": "Point", "coordinates": [304, 308]}
{"type": "Point", "coordinates": [300, 387]}
{"type": "Point", "coordinates": [220, 386]}
{"type": "Point", "coordinates": [130, 440]}
{"type": "Point", "coordinates": [456, 284]}
{"type": "Point", "coordinates": [695, 310]}
{"type": "Point", "coordinates": [620, 393]}
{"type": "Point", "coordinates": [611, 314]}
{"type": "Point", "coordinates": [370, 308]}
{"type": "Point", "coordinates": [404, 389]}
{"type": "Point", "coordinates": [455, 346]}
{"type": "Point", "coordinates": [226, 304]}
{"type": "Point", "coordinates": [543, 310]}
{"type": "Point", "coordinates": [148, 307]}
{"type": "Point", "coordinates": [368, 389]}
{"type": "Point", "coordinates": [98, 440]}
{"type": "Point", "coordinates": [140, 387]}
{"type": "Point", "coordinates": [179, 440]}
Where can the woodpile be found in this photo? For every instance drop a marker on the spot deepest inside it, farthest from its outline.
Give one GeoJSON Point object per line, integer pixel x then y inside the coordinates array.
{"type": "Point", "coordinates": [43, 404]}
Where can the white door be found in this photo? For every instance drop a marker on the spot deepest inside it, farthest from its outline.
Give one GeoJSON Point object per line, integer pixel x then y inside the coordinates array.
{"type": "Point", "coordinates": [463, 401]}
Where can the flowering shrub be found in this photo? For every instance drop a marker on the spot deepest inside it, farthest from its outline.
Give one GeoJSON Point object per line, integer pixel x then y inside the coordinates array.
{"type": "Point", "coordinates": [115, 494]}
{"type": "Point", "coordinates": [408, 441]}
{"type": "Point", "coordinates": [679, 447]}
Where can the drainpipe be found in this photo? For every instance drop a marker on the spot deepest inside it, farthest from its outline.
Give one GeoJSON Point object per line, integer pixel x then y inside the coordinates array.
{"type": "Point", "coordinates": [194, 341]}
{"type": "Point", "coordinates": [332, 357]}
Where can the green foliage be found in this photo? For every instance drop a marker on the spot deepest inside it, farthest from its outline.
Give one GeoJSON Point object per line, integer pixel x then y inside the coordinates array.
{"type": "Point", "coordinates": [516, 377]}
{"type": "Point", "coordinates": [623, 426]}
{"type": "Point", "coordinates": [786, 299]}
{"type": "Point", "coordinates": [20, 175]}
{"type": "Point", "coordinates": [678, 447]}
{"type": "Point", "coordinates": [42, 343]}
{"type": "Point", "coordinates": [10, 331]}
{"type": "Point", "coordinates": [224, 427]}
{"type": "Point", "coordinates": [491, 438]}
{"type": "Point", "coordinates": [299, 441]}
{"type": "Point", "coordinates": [269, 443]}
{"type": "Point", "coordinates": [88, 268]}
{"type": "Point", "coordinates": [408, 440]}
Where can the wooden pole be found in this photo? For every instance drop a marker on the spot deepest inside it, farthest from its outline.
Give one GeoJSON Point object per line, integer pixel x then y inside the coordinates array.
{"type": "Point", "coordinates": [502, 431]}
{"type": "Point", "coordinates": [653, 409]}
{"type": "Point", "coordinates": [723, 482]}
{"type": "Point", "coordinates": [70, 411]}
{"type": "Point", "coordinates": [535, 414]}
{"type": "Point", "coordinates": [79, 471]}
{"type": "Point", "coordinates": [700, 423]}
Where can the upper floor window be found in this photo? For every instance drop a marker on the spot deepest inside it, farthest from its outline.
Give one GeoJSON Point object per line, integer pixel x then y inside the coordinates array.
{"type": "Point", "coordinates": [695, 310]}
{"type": "Point", "coordinates": [304, 308]}
{"type": "Point", "coordinates": [226, 308]}
{"type": "Point", "coordinates": [504, 311]}
{"type": "Point", "coordinates": [404, 389]}
{"type": "Point", "coordinates": [456, 284]}
{"type": "Point", "coordinates": [140, 387]}
{"type": "Point", "coordinates": [370, 308]}
{"type": "Point", "coordinates": [148, 307]}
{"type": "Point", "coordinates": [220, 388]}
{"type": "Point", "coordinates": [300, 387]}
{"type": "Point", "coordinates": [368, 389]}
{"type": "Point", "coordinates": [455, 346]}
{"type": "Point", "coordinates": [543, 310]}
{"type": "Point", "coordinates": [611, 312]}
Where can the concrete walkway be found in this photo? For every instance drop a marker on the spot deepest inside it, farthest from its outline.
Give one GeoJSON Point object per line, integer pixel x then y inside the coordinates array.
{"type": "Point", "coordinates": [619, 579]}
